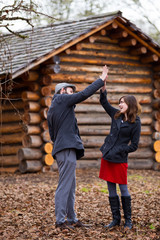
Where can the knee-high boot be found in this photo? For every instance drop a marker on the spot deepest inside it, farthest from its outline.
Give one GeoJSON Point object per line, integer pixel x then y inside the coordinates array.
{"type": "Point", "coordinates": [126, 204]}
{"type": "Point", "coordinates": [115, 209]}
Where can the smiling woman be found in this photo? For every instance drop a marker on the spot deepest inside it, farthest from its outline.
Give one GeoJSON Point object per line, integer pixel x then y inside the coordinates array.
{"type": "Point", "coordinates": [123, 139]}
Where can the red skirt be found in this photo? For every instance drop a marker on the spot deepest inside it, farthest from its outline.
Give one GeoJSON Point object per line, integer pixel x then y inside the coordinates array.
{"type": "Point", "coordinates": [113, 172]}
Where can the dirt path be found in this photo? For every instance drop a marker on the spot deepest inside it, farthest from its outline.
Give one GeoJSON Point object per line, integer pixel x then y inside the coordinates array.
{"type": "Point", "coordinates": [27, 207]}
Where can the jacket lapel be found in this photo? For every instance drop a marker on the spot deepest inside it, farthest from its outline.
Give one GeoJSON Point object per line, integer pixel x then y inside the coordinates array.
{"type": "Point", "coordinates": [118, 121]}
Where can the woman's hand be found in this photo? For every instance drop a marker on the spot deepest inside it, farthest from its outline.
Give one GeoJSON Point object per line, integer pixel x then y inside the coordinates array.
{"type": "Point", "coordinates": [104, 77]}
{"type": "Point", "coordinates": [104, 73]}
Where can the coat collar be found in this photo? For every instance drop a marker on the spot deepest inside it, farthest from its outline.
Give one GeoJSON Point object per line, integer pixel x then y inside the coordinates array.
{"type": "Point", "coordinates": [119, 122]}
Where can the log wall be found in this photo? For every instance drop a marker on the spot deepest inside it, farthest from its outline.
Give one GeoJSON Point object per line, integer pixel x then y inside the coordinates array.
{"type": "Point", "coordinates": [24, 135]}
{"type": "Point", "coordinates": [81, 66]}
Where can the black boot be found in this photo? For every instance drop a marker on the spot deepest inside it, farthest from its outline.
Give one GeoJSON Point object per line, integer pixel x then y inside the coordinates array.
{"type": "Point", "coordinates": [126, 204]}
{"type": "Point", "coordinates": [115, 208]}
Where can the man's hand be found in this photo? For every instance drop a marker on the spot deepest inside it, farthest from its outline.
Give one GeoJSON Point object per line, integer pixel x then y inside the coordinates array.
{"type": "Point", "coordinates": [104, 73]}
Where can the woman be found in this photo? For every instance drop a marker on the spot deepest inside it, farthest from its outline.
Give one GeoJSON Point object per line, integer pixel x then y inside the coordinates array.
{"type": "Point", "coordinates": [123, 139]}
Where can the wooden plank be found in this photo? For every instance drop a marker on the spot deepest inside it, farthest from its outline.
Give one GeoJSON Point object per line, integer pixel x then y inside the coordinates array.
{"type": "Point", "coordinates": [11, 128]}
{"type": "Point", "coordinates": [95, 153]}
{"type": "Point", "coordinates": [104, 119]}
{"type": "Point", "coordinates": [102, 53]}
{"type": "Point", "coordinates": [100, 61]}
{"type": "Point", "coordinates": [13, 169]}
{"type": "Point", "coordinates": [10, 160]}
{"type": "Point", "coordinates": [29, 153]}
{"type": "Point", "coordinates": [30, 166]}
{"type": "Point", "coordinates": [93, 69]}
{"type": "Point", "coordinates": [103, 130]}
{"type": "Point", "coordinates": [11, 138]}
{"type": "Point", "coordinates": [12, 105]}
{"type": "Point", "coordinates": [89, 78]}
{"type": "Point", "coordinates": [97, 108]}
{"type": "Point", "coordinates": [140, 164]}
{"type": "Point", "coordinates": [90, 141]}
{"type": "Point", "coordinates": [9, 149]}
{"type": "Point", "coordinates": [118, 88]}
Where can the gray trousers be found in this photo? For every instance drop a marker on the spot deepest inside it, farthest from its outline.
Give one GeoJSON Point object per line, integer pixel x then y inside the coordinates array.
{"type": "Point", "coordinates": [65, 192]}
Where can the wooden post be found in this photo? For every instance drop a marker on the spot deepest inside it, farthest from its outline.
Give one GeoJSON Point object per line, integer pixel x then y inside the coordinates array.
{"type": "Point", "coordinates": [30, 166]}
{"type": "Point", "coordinates": [48, 147]}
{"type": "Point", "coordinates": [30, 96]}
{"type": "Point", "coordinates": [157, 156]}
{"type": "Point", "coordinates": [29, 153]}
{"type": "Point", "coordinates": [156, 146]}
{"type": "Point", "coordinates": [128, 42]}
{"type": "Point", "coordinates": [30, 76]}
{"type": "Point", "coordinates": [31, 118]}
{"type": "Point", "coordinates": [48, 159]}
{"type": "Point", "coordinates": [30, 141]}
{"type": "Point", "coordinates": [149, 59]}
{"type": "Point", "coordinates": [32, 129]}
{"type": "Point", "coordinates": [31, 106]}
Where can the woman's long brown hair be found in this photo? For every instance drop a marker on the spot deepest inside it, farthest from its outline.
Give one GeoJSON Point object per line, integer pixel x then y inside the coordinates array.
{"type": "Point", "coordinates": [133, 108]}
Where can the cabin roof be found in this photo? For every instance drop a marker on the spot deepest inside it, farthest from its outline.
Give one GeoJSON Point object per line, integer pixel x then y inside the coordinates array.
{"type": "Point", "coordinates": [19, 55]}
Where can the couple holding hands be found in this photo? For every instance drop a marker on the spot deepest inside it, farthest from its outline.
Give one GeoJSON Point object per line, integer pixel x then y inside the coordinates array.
{"type": "Point", "coordinates": [123, 138]}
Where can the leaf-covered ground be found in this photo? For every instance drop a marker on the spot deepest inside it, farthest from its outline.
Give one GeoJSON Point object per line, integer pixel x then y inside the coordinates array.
{"type": "Point", "coordinates": [27, 207]}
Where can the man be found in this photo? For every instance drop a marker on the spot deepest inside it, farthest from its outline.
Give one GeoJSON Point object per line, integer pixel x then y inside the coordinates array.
{"type": "Point", "coordinates": [68, 146]}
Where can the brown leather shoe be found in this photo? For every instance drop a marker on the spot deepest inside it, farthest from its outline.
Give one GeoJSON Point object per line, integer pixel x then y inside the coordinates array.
{"type": "Point", "coordinates": [79, 224]}
{"type": "Point", "coordinates": [64, 225]}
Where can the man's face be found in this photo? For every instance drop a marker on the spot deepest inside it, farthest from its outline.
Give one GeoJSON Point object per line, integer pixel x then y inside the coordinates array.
{"type": "Point", "coordinates": [67, 90]}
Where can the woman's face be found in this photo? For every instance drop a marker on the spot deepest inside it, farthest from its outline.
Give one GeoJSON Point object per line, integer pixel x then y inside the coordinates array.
{"type": "Point", "coordinates": [123, 106]}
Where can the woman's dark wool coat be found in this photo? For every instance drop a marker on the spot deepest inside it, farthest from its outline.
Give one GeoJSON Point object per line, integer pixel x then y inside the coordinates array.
{"type": "Point", "coordinates": [123, 137]}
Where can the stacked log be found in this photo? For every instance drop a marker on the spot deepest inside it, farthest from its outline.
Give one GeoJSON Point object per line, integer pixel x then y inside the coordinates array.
{"type": "Point", "coordinates": [156, 116]}
{"type": "Point", "coordinates": [130, 72]}
{"type": "Point", "coordinates": [11, 111]}
{"type": "Point", "coordinates": [127, 75]}
{"type": "Point", "coordinates": [30, 154]}
{"type": "Point", "coordinates": [12, 127]}
{"type": "Point", "coordinates": [46, 99]}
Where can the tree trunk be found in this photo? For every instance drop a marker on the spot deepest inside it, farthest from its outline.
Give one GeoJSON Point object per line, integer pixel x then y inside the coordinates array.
{"type": "Point", "coordinates": [44, 125]}
{"type": "Point", "coordinates": [31, 106]}
{"type": "Point", "coordinates": [31, 141]}
{"type": "Point", "coordinates": [31, 129]}
{"type": "Point", "coordinates": [45, 136]}
{"type": "Point", "coordinates": [11, 138]}
{"type": "Point", "coordinates": [31, 96]}
{"type": "Point", "coordinates": [29, 153]}
{"type": "Point", "coordinates": [30, 76]}
{"type": "Point", "coordinates": [46, 101]}
{"type": "Point", "coordinates": [48, 147]}
{"type": "Point", "coordinates": [156, 146]}
{"type": "Point", "coordinates": [10, 160]}
{"type": "Point", "coordinates": [156, 135]}
{"type": "Point", "coordinates": [11, 128]}
{"type": "Point", "coordinates": [140, 164]}
{"type": "Point", "coordinates": [9, 149]}
{"type": "Point", "coordinates": [31, 118]}
{"type": "Point", "coordinates": [30, 166]}
{"type": "Point", "coordinates": [43, 113]}
{"type": "Point", "coordinates": [157, 156]}
{"type": "Point", "coordinates": [48, 159]}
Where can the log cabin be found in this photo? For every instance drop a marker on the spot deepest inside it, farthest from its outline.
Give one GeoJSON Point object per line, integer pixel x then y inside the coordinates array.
{"type": "Point", "coordinates": [74, 52]}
